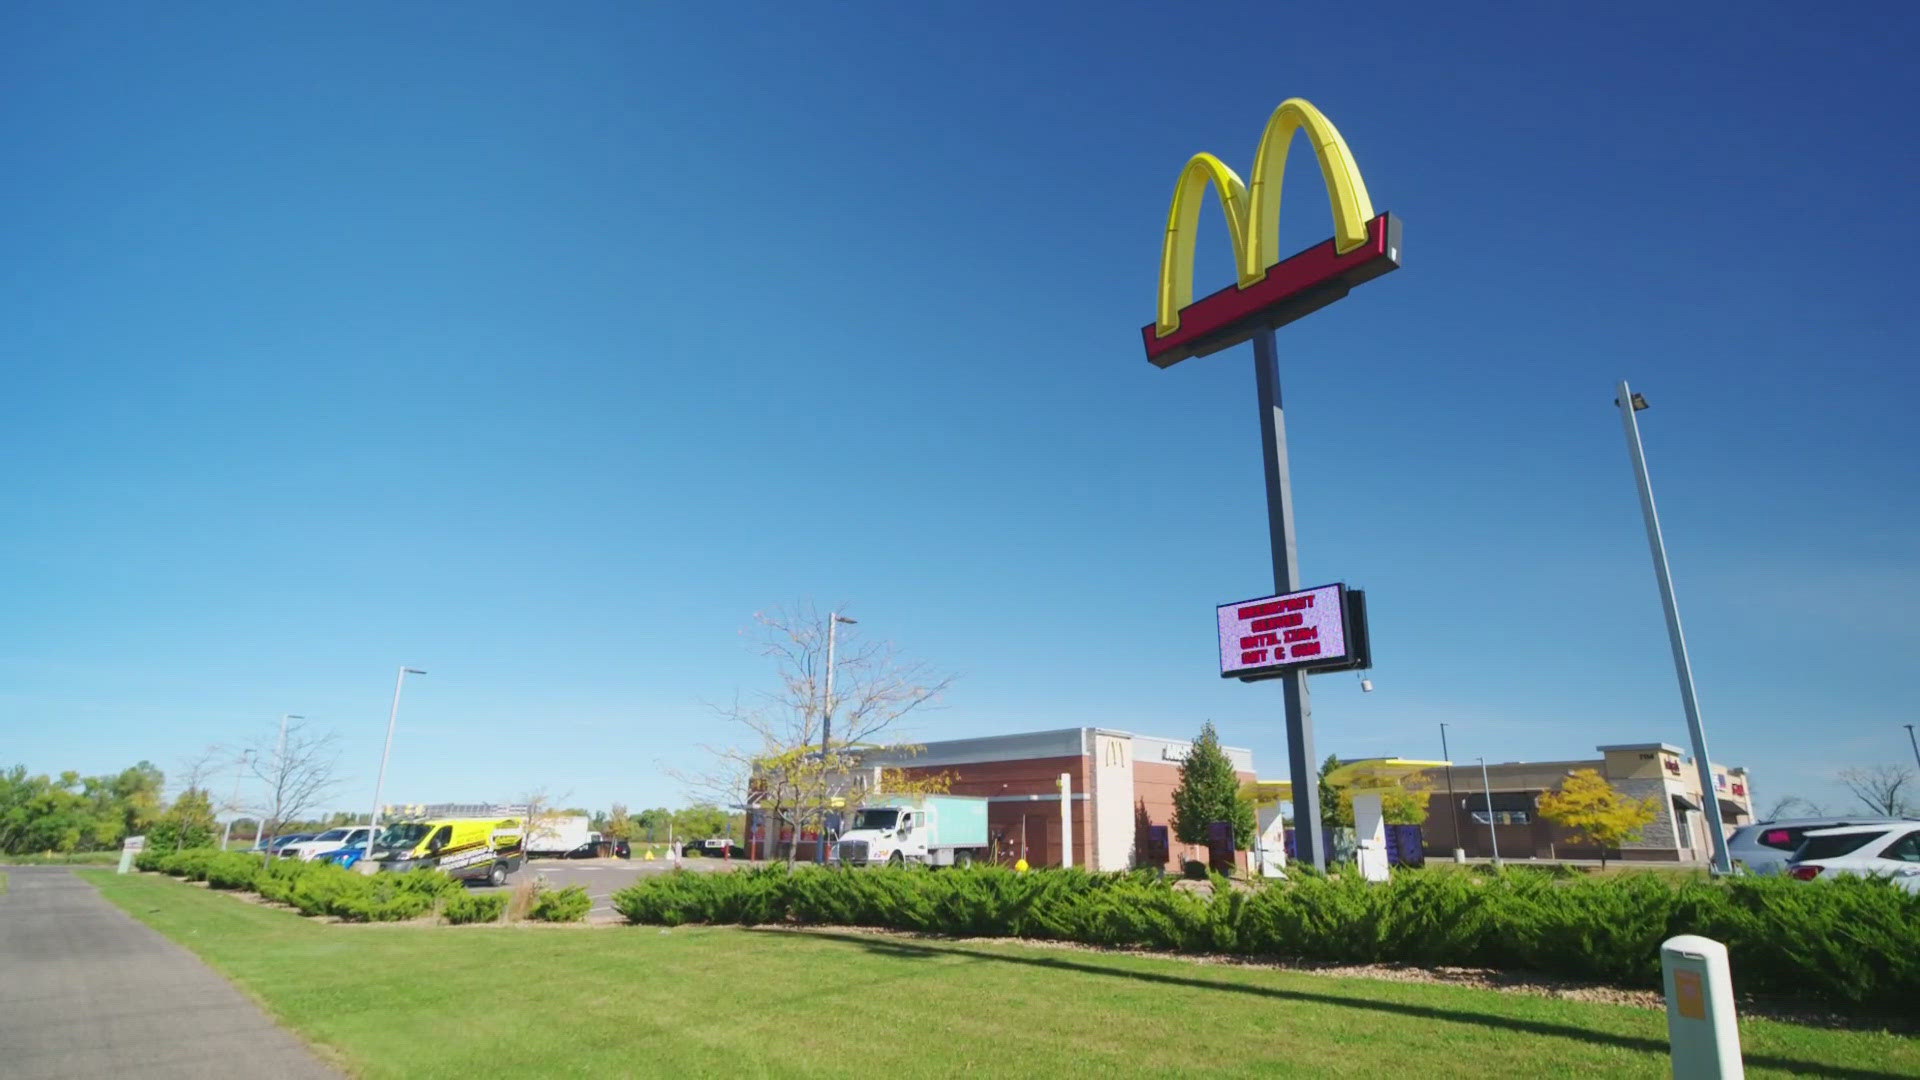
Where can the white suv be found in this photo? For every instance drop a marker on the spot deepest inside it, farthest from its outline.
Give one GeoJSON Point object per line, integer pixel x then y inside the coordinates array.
{"type": "Point", "coordinates": [331, 840]}
{"type": "Point", "coordinates": [1888, 850]}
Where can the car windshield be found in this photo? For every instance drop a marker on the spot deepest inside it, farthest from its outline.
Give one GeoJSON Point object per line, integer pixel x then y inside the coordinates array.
{"type": "Point", "coordinates": [1832, 847]}
{"type": "Point", "coordinates": [404, 836]}
{"type": "Point", "coordinates": [875, 819]}
{"type": "Point", "coordinates": [332, 834]}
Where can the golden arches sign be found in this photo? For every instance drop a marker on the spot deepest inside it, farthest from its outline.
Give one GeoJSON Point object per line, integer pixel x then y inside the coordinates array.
{"type": "Point", "coordinates": [1253, 214]}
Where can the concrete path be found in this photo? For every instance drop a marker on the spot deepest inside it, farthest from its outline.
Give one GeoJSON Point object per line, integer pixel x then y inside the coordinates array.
{"type": "Point", "coordinates": [88, 991]}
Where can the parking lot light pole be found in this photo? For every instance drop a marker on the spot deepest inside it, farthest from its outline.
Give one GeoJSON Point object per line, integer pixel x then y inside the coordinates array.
{"type": "Point", "coordinates": [1629, 404]}
{"type": "Point", "coordinates": [826, 730]}
{"type": "Point", "coordinates": [1915, 745]}
{"type": "Point", "coordinates": [1453, 802]}
{"type": "Point", "coordinates": [233, 804]}
{"type": "Point", "coordinates": [279, 780]}
{"type": "Point", "coordinates": [1491, 834]}
{"type": "Point", "coordinates": [393, 715]}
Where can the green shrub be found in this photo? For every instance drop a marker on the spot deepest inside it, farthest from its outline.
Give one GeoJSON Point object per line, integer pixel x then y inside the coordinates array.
{"type": "Point", "coordinates": [570, 904]}
{"type": "Point", "coordinates": [1851, 940]}
{"type": "Point", "coordinates": [474, 907]}
{"type": "Point", "coordinates": [232, 870]}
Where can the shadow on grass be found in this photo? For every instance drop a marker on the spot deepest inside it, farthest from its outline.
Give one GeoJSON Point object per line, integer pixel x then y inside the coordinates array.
{"type": "Point", "coordinates": [907, 949]}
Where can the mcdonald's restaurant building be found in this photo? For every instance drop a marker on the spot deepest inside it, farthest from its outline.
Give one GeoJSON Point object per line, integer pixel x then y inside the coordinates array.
{"type": "Point", "coordinates": [1118, 813]}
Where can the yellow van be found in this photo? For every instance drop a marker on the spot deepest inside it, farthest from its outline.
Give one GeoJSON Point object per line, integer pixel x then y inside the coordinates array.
{"type": "Point", "coordinates": [472, 849]}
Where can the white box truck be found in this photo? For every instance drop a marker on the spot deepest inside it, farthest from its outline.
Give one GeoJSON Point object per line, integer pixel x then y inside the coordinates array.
{"type": "Point", "coordinates": [924, 830]}
{"type": "Point", "coordinates": [560, 834]}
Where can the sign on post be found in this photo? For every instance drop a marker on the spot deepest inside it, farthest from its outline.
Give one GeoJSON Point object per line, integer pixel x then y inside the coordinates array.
{"type": "Point", "coordinates": [130, 847]}
{"type": "Point", "coordinates": [1700, 1019]}
{"type": "Point", "coordinates": [1323, 629]}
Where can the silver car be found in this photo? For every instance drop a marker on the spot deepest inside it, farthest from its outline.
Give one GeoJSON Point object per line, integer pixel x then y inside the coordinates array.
{"type": "Point", "coordinates": [1764, 848]}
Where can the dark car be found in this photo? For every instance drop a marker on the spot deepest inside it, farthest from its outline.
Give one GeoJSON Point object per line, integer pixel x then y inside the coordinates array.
{"type": "Point", "coordinates": [601, 849]}
{"type": "Point", "coordinates": [278, 842]}
{"type": "Point", "coordinates": [720, 847]}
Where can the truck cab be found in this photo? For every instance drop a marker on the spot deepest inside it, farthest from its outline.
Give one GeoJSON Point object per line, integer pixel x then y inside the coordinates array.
{"type": "Point", "coordinates": [927, 830]}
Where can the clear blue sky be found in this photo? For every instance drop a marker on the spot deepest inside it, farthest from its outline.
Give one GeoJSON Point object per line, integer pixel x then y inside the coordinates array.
{"type": "Point", "coordinates": [541, 348]}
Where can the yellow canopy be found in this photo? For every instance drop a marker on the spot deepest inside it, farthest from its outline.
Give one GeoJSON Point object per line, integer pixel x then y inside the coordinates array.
{"type": "Point", "coordinates": [1369, 774]}
{"type": "Point", "coordinates": [1268, 792]}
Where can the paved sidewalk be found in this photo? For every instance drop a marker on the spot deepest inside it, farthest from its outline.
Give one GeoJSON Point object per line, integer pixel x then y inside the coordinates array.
{"type": "Point", "coordinates": [88, 991]}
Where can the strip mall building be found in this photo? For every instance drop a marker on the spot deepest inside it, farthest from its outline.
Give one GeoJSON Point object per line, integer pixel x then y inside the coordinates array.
{"type": "Point", "coordinates": [1120, 806]}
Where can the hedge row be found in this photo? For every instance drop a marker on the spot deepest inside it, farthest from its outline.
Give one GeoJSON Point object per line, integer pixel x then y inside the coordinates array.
{"type": "Point", "coordinates": [315, 888]}
{"type": "Point", "coordinates": [1851, 940]}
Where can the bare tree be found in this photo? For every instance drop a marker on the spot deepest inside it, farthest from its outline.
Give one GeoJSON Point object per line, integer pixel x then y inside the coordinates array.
{"type": "Point", "coordinates": [297, 770]}
{"type": "Point", "coordinates": [1880, 788]}
{"type": "Point", "coordinates": [786, 765]}
{"type": "Point", "coordinates": [541, 815]}
{"type": "Point", "coordinates": [1794, 806]}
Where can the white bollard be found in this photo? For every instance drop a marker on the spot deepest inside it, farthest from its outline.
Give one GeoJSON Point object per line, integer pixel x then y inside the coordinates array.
{"type": "Point", "coordinates": [1701, 1025]}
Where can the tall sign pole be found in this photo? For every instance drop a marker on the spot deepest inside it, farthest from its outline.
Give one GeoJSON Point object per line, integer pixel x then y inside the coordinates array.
{"type": "Point", "coordinates": [1307, 847]}
{"type": "Point", "coordinates": [1271, 292]}
{"type": "Point", "coordinates": [1630, 404]}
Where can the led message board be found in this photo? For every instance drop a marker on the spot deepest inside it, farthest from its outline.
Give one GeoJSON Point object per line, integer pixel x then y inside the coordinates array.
{"type": "Point", "coordinates": [1323, 629]}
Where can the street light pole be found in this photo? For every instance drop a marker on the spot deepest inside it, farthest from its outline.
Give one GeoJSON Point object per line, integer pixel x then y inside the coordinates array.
{"type": "Point", "coordinates": [1453, 803]}
{"type": "Point", "coordinates": [1491, 834]}
{"type": "Point", "coordinates": [1916, 745]}
{"type": "Point", "coordinates": [279, 781]}
{"type": "Point", "coordinates": [826, 730]}
{"type": "Point", "coordinates": [1629, 404]}
{"type": "Point", "coordinates": [233, 804]}
{"type": "Point", "coordinates": [380, 781]}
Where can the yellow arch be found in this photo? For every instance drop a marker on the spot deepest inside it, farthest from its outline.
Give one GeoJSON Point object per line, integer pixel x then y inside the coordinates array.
{"type": "Point", "coordinates": [1253, 216]}
{"type": "Point", "coordinates": [1183, 221]}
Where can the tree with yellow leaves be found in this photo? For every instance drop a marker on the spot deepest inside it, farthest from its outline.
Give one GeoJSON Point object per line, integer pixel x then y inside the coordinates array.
{"type": "Point", "coordinates": [1593, 812]}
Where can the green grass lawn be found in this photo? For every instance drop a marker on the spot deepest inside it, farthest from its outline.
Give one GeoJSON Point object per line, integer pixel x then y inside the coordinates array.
{"type": "Point", "coordinates": [423, 1001]}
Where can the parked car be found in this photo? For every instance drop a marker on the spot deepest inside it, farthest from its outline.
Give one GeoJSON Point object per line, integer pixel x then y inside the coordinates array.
{"type": "Point", "coordinates": [331, 840]}
{"type": "Point", "coordinates": [1889, 849]}
{"type": "Point", "coordinates": [1764, 847]}
{"type": "Point", "coordinates": [345, 856]}
{"type": "Point", "coordinates": [274, 844]}
{"type": "Point", "coordinates": [718, 847]}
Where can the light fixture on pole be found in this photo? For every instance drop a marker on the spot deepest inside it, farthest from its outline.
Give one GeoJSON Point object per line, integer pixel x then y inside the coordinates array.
{"type": "Point", "coordinates": [1630, 403]}
{"type": "Point", "coordinates": [393, 715]}
{"type": "Point", "coordinates": [233, 804]}
{"type": "Point", "coordinates": [1453, 803]}
{"type": "Point", "coordinates": [1491, 834]}
{"type": "Point", "coordinates": [279, 781]}
{"type": "Point", "coordinates": [826, 729]}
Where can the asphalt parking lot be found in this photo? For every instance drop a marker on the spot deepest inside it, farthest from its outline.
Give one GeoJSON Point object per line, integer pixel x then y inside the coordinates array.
{"type": "Point", "coordinates": [604, 877]}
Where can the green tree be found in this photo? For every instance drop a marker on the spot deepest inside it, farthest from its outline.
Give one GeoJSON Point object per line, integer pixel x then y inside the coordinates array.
{"type": "Point", "coordinates": [701, 821]}
{"type": "Point", "coordinates": [1592, 811]}
{"type": "Point", "coordinates": [1333, 813]}
{"type": "Point", "coordinates": [654, 822]}
{"type": "Point", "coordinates": [618, 824]}
{"type": "Point", "coordinates": [190, 822]}
{"type": "Point", "coordinates": [1209, 792]}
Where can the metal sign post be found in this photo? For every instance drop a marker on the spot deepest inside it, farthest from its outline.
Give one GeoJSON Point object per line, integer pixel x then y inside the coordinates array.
{"type": "Point", "coordinates": [1307, 847]}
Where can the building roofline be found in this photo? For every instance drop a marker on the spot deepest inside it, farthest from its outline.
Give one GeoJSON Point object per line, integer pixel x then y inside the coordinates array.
{"type": "Point", "coordinates": [1668, 747]}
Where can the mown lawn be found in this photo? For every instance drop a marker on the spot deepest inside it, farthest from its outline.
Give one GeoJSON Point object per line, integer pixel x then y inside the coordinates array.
{"type": "Point", "coordinates": [76, 858]}
{"type": "Point", "coordinates": [423, 1001]}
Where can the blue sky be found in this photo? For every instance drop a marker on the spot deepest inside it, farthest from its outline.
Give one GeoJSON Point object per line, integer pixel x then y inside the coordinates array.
{"type": "Point", "coordinates": [541, 349]}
